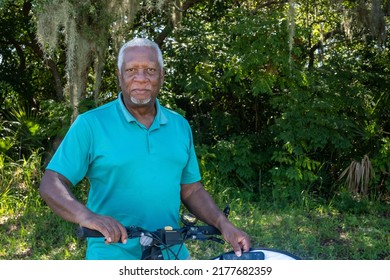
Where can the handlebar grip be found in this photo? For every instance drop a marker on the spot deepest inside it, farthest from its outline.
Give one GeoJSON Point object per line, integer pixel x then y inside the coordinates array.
{"type": "Point", "coordinates": [83, 232]}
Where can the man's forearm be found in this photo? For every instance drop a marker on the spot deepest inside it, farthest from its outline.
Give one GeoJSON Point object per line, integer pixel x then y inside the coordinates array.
{"type": "Point", "coordinates": [199, 202]}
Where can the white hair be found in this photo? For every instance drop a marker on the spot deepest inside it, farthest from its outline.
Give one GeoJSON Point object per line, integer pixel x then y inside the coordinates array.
{"type": "Point", "coordinates": [140, 42]}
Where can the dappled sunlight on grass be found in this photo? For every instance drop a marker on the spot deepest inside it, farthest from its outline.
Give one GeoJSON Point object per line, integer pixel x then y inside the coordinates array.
{"type": "Point", "coordinates": [321, 233]}
{"type": "Point", "coordinates": [40, 235]}
{"type": "Point", "coordinates": [308, 234]}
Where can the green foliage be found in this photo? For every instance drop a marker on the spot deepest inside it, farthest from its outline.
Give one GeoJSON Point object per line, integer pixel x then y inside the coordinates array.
{"type": "Point", "coordinates": [236, 77]}
{"type": "Point", "coordinates": [21, 130]}
{"type": "Point", "coordinates": [224, 75]}
{"type": "Point", "coordinates": [23, 71]}
{"type": "Point", "coordinates": [381, 165]}
{"type": "Point", "coordinates": [281, 101]}
{"type": "Point", "coordinates": [236, 155]}
{"type": "Point", "coordinates": [57, 118]}
{"type": "Point", "coordinates": [266, 93]}
{"type": "Point", "coordinates": [311, 130]}
{"type": "Point", "coordinates": [26, 130]}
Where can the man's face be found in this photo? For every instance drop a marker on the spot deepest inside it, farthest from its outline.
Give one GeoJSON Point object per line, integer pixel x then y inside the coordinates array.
{"type": "Point", "coordinates": [141, 76]}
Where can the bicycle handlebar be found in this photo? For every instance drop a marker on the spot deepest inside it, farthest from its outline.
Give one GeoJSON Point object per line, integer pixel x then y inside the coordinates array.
{"type": "Point", "coordinates": [153, 242]}
{"type": "Point", "coordinates": [166, 236]}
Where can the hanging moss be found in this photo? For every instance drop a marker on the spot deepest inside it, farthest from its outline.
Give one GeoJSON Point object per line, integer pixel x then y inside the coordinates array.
{"type": "Point", "coordinates": [86, 27]}
{"type": "Point", "coordinates": [51, 19]}
{"type": "Point", "coordinates": [367, 16]}
{"type": "Point", "coordinates": [291, 26]}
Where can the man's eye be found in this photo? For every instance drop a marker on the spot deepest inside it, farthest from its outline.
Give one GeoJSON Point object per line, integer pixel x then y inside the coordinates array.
{"type": "Point", "coordinates": [151, 70]}
{"type": "Point", "coordinates": [130, 70]}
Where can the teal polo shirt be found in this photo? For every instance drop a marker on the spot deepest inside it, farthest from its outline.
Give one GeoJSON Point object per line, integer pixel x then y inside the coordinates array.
{"type": "Point", "coordinates": [134, 172]}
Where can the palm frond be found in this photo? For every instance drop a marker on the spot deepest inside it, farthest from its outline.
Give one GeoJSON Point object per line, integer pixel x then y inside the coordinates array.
{"type": "Point", "coordinates": [359, 175]}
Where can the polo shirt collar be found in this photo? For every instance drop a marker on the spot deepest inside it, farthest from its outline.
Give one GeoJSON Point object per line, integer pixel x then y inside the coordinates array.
{"type": "Point", "coordinates": [158, 120]}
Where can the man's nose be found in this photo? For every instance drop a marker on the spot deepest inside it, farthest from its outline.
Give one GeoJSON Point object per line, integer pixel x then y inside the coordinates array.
{"type": "Point", "coordinates": [140, 75]}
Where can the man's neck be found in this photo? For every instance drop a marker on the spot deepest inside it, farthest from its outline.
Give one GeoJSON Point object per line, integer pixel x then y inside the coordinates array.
{"type": "Point", "coordinates": [144, 114]}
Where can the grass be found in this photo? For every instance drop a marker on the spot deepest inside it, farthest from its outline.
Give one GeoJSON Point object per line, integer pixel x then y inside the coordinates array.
{"type": "Point", "coordinates": [38, 235]}
{"type": "Point", "coordinates": [323, 233]}
{"type": "Point", "coordinates": [345, 228]}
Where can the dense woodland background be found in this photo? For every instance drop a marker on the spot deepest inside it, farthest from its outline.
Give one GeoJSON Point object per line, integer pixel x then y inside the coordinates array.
{"type": "Point", "coordinates": [288, 100]}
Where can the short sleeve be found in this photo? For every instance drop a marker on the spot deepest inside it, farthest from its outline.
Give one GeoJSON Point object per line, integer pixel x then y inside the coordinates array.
{"type": "Point", "coordinates": [191, 172]}
{"type": "Point", "coordinates": [72, 156]}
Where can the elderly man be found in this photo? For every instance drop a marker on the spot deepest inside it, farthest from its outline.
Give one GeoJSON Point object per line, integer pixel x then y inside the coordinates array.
{"type": "Point", "coordinates": [140, 160]}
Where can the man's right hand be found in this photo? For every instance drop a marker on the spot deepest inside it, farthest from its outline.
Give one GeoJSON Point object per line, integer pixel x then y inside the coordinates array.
{"type": "Point", "coordinates": [112, 230]}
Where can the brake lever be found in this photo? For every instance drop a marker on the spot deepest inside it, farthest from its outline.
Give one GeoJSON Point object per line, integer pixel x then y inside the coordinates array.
{"type": "Point", "coordinates": [226, 211]}
{"type": "Point", "coordinates": [203, 237]}
{"type": "Point", "coordinates": [134, 232]}
{"type": "Point", "coordinates": [216, 239]}
{"type": "Point", "coordinates": [196, 236]}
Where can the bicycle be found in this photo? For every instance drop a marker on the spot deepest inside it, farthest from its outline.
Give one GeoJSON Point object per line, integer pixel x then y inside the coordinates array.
{"type": "Point", "coordinates": [154, 242]}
